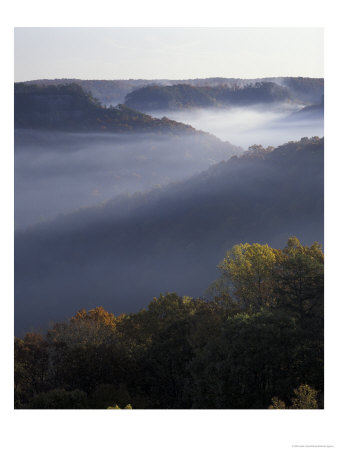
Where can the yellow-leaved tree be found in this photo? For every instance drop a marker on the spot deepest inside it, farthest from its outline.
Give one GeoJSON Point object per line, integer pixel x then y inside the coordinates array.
{"type": "Point", "coordinates": [247, 270]}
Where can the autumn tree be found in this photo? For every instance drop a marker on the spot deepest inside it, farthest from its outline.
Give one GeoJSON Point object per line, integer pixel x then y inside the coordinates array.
{"type": "Point", "coordinates": [305, 397]}
{"type": "Point", "coordinates": [247, 270]}
{"type": "Point", "coordinates": [247, 347]}
{"type": "Point", "coordinates": [87, 351]}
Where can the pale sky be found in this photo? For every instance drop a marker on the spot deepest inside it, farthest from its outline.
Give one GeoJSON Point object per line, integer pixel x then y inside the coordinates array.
{"type": "Point", "coordinates": [174, 53]}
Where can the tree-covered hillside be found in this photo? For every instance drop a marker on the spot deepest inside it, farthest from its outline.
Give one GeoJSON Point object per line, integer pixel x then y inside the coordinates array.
{"type": "Point", "coordinates": [309, 113]}
{"type": "Point", "coordinates": [307, 90]}
{"type": "Point", "coordinates": [69, 108]}
{"type": "Point", "coordinates": [180, 96]}
{"type": "Point", "coordinates": [58, 172]}
{"type": "Point", "coordinates": [256, 343]}
{"type": "Point", "coordinates": [126, 251]}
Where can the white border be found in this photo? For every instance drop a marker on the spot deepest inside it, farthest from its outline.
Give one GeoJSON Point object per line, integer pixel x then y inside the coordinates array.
{"type": "Point", "coordinates": [167, 429]}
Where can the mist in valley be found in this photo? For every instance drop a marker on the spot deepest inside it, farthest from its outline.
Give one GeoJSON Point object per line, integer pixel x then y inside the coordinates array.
{"type": "Point", "coordinates": [122, 253]}
{"type": "Point", "coordinates": [116, 219]}
{"type": "Point", "coordinates": [56, 172]}
{"type": "Point", "coordinates": [168, 220]}
{"type": "Point", "coordinates": [271, 124]}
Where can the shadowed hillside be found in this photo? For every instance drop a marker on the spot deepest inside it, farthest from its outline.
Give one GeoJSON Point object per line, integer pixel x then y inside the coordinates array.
{"type": "Point", "coordinates": [123, 253]}
{"type": "Point", "coordinates": [69, 108]}
{"type": "Point", "coordinates": [152, 98]}
{"type": "Point", "coordinates": [307, 90]}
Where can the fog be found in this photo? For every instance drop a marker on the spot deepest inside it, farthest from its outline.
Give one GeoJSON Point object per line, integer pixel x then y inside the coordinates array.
{"type": "Point", "coordinates": [121, 254]}
{"type": "Point", "coordinates": [244, 126]}
{"type": "Point", "coordinates": [84, 238]}
{"type": "Point", "coordinates": [56, 173]}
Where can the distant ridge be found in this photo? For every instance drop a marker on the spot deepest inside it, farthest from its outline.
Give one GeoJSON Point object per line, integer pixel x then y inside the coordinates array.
{"type": "Point", "coordinates": [182, 96]}
{"type": "Point", "coordinates": [69, 108]}
{"type": "Point", "coordinates": [113, 92]}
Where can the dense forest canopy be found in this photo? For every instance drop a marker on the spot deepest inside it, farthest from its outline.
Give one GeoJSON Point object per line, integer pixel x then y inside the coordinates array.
{"type": "Point", "coordinates": [256, 343]}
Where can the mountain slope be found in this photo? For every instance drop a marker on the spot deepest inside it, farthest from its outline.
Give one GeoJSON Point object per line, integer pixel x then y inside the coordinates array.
{"type": "Point", "coordinates": [57, 172]}
{"type": "Point", "coordinates": [309, 113]}
{"type": "Point", "coordinates": [307, 90]}
{"type": "Point", "coordinates": [180, 96]}
{"type": "Point", "coordinates": [69, 108]}
{"type": "Point", "coordinates": [123, 253]}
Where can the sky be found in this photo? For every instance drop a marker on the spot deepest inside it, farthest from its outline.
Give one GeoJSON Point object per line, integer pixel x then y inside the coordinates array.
{"type": "Point", "coordinates": [167, 52]}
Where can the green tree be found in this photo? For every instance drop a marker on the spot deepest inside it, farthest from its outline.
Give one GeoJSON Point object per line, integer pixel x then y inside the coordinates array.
{"type": "Point", "coordinates": [87, 351]}
{"type": "Point", "coordinates": [254, 357]}
{"type": "Point", "coordinates": [299, 281]}
{"type": "Point", "coordinates": [247, 270]}
{"type": "Point", "coordinates": [30, 367]}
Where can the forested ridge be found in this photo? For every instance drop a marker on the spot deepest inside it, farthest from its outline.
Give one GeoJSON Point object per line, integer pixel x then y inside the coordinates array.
{"type": "Point", "coordinates": [127, 250]}
{"type": "Point", "coordinates": [151, 98]}
{"type": "Point", "coordinates": [69, 108]}
{"type": "Point", "coordinates": [255, 341]}
{"type": "Point", "coordinates": [182, 96]}
{"type": "Point", "coordinates": [308, 90]}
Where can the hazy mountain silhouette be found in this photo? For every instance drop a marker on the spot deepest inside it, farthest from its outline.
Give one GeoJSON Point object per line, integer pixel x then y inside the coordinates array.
{"type": "Point", "coordinates": [307, 90]}
{"type": "Point", "coordinates": [123, 253]}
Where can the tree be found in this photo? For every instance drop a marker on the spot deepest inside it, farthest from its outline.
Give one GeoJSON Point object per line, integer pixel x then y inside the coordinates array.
{"type": "Point", "coordinates": [87, 351]}
{"type": "Point", "coordinates": [260, 336]}
{"type": "Point", "coordinates": [276, 403]}
{"type": "Point", "coordinates": [299, 278]}
{"type": "Point", "coordinates": [255, 357]}
{"type": "Point", "coordinates": [248, 273]}
{"type": "Point", "coordinates": [117, 407]}
{"type": "Point", "coordinates": [30, 366]}
{"type": "Point", "coordinates": [305, 398]}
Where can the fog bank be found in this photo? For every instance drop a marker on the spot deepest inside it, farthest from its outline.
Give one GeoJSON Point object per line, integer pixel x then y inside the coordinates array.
{"type": "Point", "coordinates": [58, 172]}
{"type": "Point", "coordinates": [245, 126]}
{"type": "Point", "coordinates": [125, 252]}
